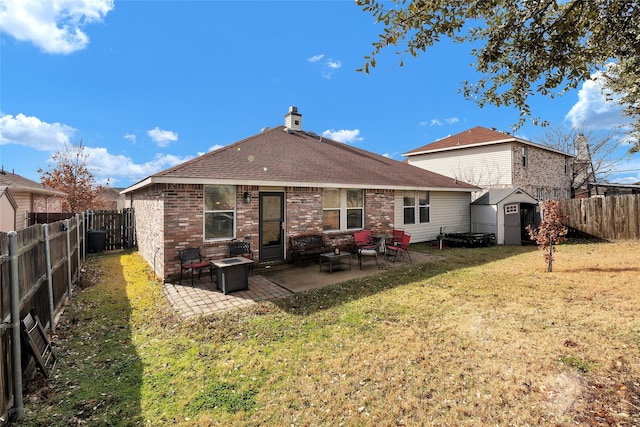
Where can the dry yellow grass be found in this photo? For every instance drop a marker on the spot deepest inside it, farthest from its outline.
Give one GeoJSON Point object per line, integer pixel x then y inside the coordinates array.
{"type": "Point", "coordinates": [483, 337]}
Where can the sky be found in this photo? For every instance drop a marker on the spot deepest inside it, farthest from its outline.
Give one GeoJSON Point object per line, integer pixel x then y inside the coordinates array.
{"type": "Point", "coordinates": [145, 85]}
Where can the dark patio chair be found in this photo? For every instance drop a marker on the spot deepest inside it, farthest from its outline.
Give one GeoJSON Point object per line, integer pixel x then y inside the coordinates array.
{"type": "Point", "coordinates": [242, 249]}
{"type": "Point", "coordinates": [191, 260]}
{"type": "Point", "coordinates": [370, 252]}
{"type": "Point", "coordinates": [401, 248]}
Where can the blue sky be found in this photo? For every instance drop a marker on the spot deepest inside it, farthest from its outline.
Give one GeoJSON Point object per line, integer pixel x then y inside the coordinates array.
{"type": "Point", "coordinates": [149, 84]}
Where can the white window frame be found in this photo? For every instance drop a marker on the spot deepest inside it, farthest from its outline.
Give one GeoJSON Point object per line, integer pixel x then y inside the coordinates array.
{"type": "Point", "coordinates": [416, 206]}
{"type": "Point", "coordinates": [511, 209]}
{"type": "Point", "coordinates": [540, 193]}
{"type": "Point", "coordinates": [344, 209]}
{"type": "Point", "coordinates": [525, 160]}
{"type": "Point", "coordinates": [233, 212]}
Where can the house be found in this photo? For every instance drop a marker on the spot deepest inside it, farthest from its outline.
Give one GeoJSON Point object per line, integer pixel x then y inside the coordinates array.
{"type": "Point", "coordinates": [19, 196]}
{"type": "Point", "coordinates": [283, 182]}
{"type": "Point", "coordinates": [505, 213]}
{"type": "Point", "coordinates": [492, 159]}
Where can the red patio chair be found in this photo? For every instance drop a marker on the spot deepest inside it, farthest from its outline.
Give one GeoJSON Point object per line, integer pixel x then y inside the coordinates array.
{"type": "Point", "coordinates": [191, 260]}
{"type": "Point", "coordinates": [364, 240]}
{"type": "Point", "coordinates": [401, 248]}
{"type": "Point", "coordinates": [396, 237]}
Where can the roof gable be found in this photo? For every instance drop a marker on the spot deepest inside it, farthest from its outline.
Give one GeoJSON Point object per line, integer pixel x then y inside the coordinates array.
{"type": "Point", "coordinates": [282, 156]}
{"type": "Point", "coordinates": [477, 136]}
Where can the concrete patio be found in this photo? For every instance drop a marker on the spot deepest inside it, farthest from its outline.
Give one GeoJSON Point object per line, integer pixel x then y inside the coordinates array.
{"type": "Point", "coordinates": [269, 284]}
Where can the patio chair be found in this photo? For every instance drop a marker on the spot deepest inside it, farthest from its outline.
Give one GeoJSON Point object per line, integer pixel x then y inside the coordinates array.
{"type": "Point", "coordinates": [191, 260]}
{"type": "Point", "coordinates": [364, 240]}
{"type": "Point", "coordinates": [242, 249]}
{"type": "Point", "coordinates": [370, 252]}
{"type": "Point", "coordinates": [396, 236]}
{"type": "Point", "coordinates": [401, 248]}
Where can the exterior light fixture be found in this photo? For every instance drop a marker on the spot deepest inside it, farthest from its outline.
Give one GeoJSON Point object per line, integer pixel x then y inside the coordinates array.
{"type": "Point", "coordinates": [247, 197]}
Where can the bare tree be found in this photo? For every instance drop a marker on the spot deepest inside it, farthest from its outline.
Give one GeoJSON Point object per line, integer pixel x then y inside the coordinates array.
{"type": "Point", "coordinates": [550, 232]}
{"type": "Point", "coordinates": [69, 173]}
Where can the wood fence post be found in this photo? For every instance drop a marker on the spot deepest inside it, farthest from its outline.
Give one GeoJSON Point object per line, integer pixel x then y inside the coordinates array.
{"type": "Point", "coordinates": [68, 235]}
{"type": "Point", "coordinates": [16, 343]}
{"type": "Point", "coordinates": [47, 253]}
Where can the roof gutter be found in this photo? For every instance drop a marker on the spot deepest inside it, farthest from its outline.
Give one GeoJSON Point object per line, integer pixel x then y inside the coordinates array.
{"type": "Point", "coordinates": [262, 183]}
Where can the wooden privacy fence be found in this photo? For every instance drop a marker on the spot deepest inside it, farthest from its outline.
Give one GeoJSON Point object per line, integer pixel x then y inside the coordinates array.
{"type": "Point", "coordinates": [34, 218]}
{"type": "Point", "coordinates": [38, 267]}
{"type": "Point", "coordinates": [119, 227]}
{"type": "Point", "coordinates": [611, 218]}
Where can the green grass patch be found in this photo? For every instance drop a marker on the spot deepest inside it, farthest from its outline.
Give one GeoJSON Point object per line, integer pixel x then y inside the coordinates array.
{"type": "Point", "coordinates": [470, 339]}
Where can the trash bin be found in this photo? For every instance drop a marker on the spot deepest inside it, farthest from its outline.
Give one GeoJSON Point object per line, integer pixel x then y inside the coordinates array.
{"type": "Point", "coordinates": [96, 241]}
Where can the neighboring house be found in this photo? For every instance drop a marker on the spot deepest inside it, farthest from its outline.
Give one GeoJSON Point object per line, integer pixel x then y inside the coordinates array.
{"type": "Point", "coordinates": [19, 196]}
{"type": "Point", "coordinates": [113, 199]}
{"type": "Point", "coordinates": [497, 160]}
{"type": "Point", "coordinates": [285, 182]}
{"type": "Point", "coordinates": [8, 208]}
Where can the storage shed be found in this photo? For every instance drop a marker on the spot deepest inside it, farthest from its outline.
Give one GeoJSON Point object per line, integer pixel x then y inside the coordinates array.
{"type": "Point", "coordinates": [505, 212]}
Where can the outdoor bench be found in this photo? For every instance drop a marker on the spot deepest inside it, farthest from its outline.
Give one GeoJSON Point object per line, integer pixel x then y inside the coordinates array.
{"type": "Point", "coordinates": [306, 247]}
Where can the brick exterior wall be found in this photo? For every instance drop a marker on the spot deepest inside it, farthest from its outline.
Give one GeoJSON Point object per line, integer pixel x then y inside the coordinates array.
{"type": "Point", "coordinates": [169, 217]}
{"type": "Point", "coordinates": [545, 169]}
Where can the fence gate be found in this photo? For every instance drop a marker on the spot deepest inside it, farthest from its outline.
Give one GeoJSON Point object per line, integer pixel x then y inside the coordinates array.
{"type": "Point", "coordinates": [118, 225]}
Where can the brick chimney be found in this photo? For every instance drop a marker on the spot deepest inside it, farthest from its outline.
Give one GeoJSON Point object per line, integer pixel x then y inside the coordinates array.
{"type": "Point", "coordinates": [293, 119]}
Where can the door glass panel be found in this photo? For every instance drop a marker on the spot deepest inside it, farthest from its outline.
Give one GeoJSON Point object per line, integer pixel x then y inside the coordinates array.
{"type": "Point", "coordinates": [271, 215]}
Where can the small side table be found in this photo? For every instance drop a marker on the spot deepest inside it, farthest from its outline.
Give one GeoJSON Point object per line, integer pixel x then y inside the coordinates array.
{"type": "Point", "coordinates": [232, 273]}
{"type": "Point", "coordinates": [335, 259]}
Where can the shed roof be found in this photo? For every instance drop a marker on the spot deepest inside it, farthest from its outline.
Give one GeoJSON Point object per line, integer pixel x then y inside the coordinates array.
{"type": "Point", "coordinates": [282, 156]}
{"type": "Point", "coordinates": [477, 136]}
{"type": "Point", "coordinates": [498, 195]}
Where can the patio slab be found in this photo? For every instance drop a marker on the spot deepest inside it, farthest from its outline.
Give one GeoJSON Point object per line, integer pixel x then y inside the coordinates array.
{"type": "Point", "coordinates": [268, 284]}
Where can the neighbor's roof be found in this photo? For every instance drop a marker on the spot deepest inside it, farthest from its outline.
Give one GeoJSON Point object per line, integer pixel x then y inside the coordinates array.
{"type": "Point", "coordinates": [475, 137]}
{"type": "Point", "coordinates": [280, 157]}
{"type": "Point", "coordinates": [18, 183]}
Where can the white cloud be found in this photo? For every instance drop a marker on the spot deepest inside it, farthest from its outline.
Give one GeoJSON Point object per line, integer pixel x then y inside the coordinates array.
{"type": "Point", "coordinates": [55, 26]}
{"type": "Point", "coordinates": [438, 122]}
{"type": "Point", "coordinates": [344, 135]}
{"type": "Point", "coordinates": [162, 137]}
{"type": "Point", "coordinates": [593, 110]}
{"type": "Point", "coordinates": [328, 65]}
{"type": "Point", "coordinates": [212, 148]}
{"type": "Point", "coordinates": [32, 132]}
{"type": "Point", "coordinates": [131, 137]}
{"type": "Point", "coordinates": [118, 168]}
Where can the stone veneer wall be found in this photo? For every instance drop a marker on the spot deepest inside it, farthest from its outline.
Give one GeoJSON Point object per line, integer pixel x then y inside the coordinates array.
{"type": "Point", "coordinates": [149, 207]}
{"type": "Point", "coordinates": [544, 169]}
{"type": "Point", "coordinates": [43, 204]}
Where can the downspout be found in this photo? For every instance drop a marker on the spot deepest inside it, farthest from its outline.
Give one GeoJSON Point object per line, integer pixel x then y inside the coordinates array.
{"type": "Point", "coordinates": [16, 344]}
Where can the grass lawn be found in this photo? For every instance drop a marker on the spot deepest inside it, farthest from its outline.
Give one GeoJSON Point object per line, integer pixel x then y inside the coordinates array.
{"type": "Point", "coordinates": [483, 337]}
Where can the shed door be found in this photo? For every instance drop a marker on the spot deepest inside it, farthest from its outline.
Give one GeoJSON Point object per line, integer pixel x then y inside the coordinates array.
{"type": "Point", "coordinates": [271, 226]}
{"type": "Point", "coordinates": [512, 227]}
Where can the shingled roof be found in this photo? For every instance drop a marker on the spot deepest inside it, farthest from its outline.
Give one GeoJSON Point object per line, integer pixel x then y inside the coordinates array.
{"type": "Point", "coordinates": [477, 136]}
{"type": "Point", "coordinates": [283, 156]}
{"type": "Point", "coordinates": [19, 183]}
